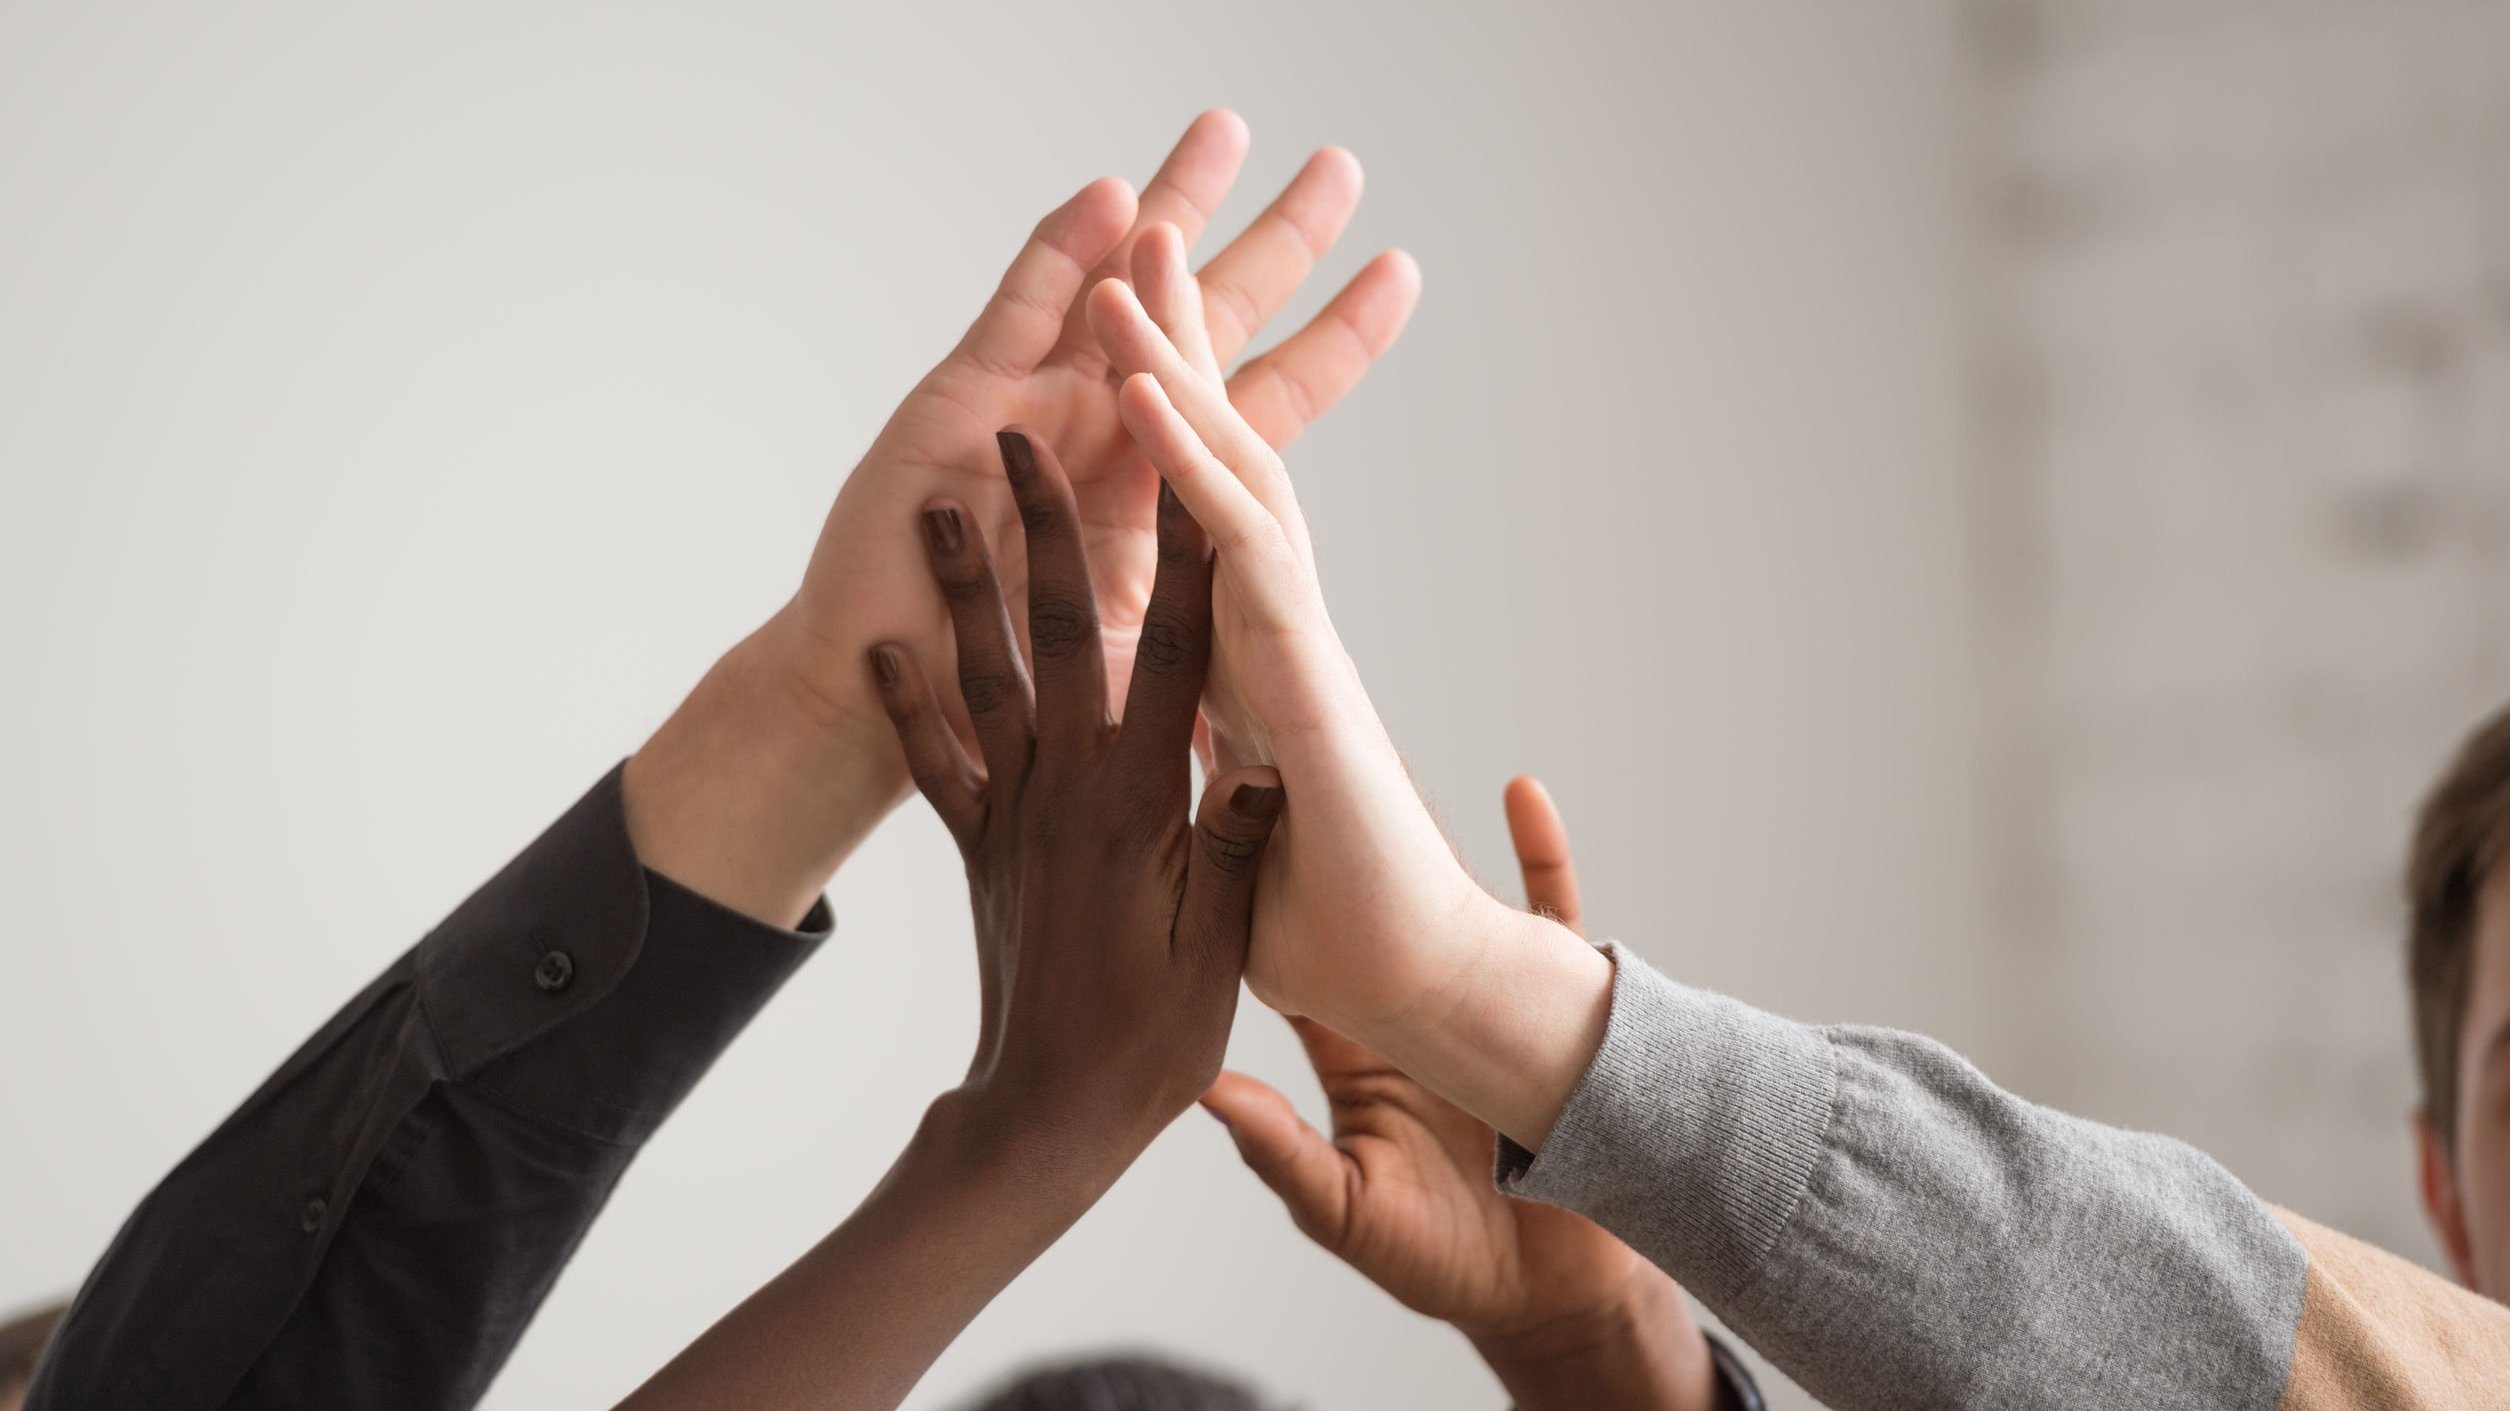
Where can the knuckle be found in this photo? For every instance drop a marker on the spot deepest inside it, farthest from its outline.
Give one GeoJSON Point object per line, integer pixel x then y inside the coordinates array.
{"type": "Point", "coordinates": [1232, 301]}
{"type": "Point", "coordinates": [961, 587]}
{"type": "Point", "coordinates": [1060, 622]}
{"type": "Point", "coordinates": [1232, 854]}
{"type": "Point", "coordinates": [1168, 645]}
{"type": "Point", "coordinates": [986, 689]}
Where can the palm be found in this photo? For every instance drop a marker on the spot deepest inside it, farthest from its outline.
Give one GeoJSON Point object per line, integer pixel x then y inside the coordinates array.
{"type": "Point", "coordinates": [1029, 361]}
{"type": "Point", "coordinates": [1424, 1221]}
{"type": "Point", "coordinates": [1069, 403]}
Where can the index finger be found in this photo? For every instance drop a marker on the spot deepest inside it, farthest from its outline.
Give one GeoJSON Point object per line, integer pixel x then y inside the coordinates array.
{"type": "Point", "coordinates": [1542, 853]}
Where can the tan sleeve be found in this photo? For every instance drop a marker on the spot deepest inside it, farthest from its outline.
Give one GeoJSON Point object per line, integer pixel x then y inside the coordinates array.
{"type": "Point", "coordinates": [2377, 1331]}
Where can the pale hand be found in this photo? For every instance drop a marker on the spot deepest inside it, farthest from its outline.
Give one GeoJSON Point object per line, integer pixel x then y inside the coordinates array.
{"type": "Point", "coordinates": [781, 760]}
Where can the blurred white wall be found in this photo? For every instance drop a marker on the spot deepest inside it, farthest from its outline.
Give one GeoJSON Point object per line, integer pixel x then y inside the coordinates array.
{"type": "Point", "coordinates": [402, 408]}
{"type": "Point", "coordinates": [2245, 493]}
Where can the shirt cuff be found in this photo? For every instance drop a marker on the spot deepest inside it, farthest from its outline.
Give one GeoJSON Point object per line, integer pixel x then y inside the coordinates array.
{"type": "Point", "coordinates": [583, 989]}
{"type": "Point", "coordinates": [1693, 1132]}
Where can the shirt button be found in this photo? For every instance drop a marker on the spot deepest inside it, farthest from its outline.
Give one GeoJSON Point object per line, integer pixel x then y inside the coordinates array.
{"type": "Point", "coordinates": [315, 1209]}
{"type": "Point", "coordinates": [555, 972]}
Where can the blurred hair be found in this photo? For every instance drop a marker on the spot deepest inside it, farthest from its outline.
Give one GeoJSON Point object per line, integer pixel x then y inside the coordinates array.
{"type": "Point", "coordinates": [22, 1340]}
{"type": "Point", "coordinates": [2458, 839]}
{"type": "Point", "coordinates": [1130, 1383]}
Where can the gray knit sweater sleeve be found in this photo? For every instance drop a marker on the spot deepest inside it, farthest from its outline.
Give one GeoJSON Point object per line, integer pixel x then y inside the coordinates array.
{"type": "Point", "coordinates": [1892, 1230]}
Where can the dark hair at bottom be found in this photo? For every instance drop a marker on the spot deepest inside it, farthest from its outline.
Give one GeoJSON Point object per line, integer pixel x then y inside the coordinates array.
{"type": "Point", "coordinates": [1128, 1382]}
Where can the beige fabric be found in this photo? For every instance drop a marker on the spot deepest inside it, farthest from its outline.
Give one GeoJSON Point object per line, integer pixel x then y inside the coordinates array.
{"type": "Point", "coordinates": [2378, 1333]}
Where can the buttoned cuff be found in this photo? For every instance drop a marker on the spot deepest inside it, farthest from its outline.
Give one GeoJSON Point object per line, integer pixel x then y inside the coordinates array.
{"type": "Point", "coordinates": [579, 987]}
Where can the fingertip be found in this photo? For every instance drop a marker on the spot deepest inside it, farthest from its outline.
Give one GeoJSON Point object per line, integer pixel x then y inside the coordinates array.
{"type": "Point", "coordinates": [1533, 819]}
{"type": "Point", "coordinates": [1104, 197]}
{"type": "Point", "coordinates": [945, 526]}
{"type": "Point", "coordinates": [887, 672]}
{"type": "Point", "coordinates": [1220, 125]}
{"type": "Point", "coordinates": [1086, 227]}
{"type": "Point", "coordinates": [1105, 307]}
{"type": "Point", "coordinates": [1398, 266]}
{"type": "Point", "coordinates": [1140, 396]}
{"type": "Point", "coordinates": [1158, 259]}
{"type": "Point", "coordinates": [1339, 165]}
{"type": "Point", "coordinates": [1028, 463]}
{"type": "Point", "coordinates": [1250, 1110]}
{"type": "Point", "coordinates": [1230, 1090]}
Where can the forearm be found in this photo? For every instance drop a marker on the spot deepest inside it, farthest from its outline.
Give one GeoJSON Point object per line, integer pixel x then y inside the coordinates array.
{"type": "Point", "coordinates": [1891, 1229]}
{"type": "Point", "coordinates": [1643, 1353]}
{"type": "Point", "coordinates": [857, 1320]}
{"type": "Point", "coordinates": [378, 1222]}
{"type": "Point", "coordinates": [758, 787]}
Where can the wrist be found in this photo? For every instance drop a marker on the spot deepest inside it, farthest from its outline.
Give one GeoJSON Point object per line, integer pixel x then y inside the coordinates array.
{"type": "Point", "coordinates": [759, 785]}
{"type": "Point", "coordinates": [1511, 1031]}
{"type": "Point", "coordinates": [985, 1129]}
{"type": "Point", "coordinates": [1638, 1346]}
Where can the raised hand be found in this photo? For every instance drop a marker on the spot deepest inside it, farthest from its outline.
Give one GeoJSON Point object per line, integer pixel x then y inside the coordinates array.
{"type": "Point", "coordinates": [1366, 921]}
{"type": "Point", "coordinates": [1111, 934]}
{"type": "Point", "coordinates": [1564, 1313]}
{"type": "Point", "coordinates": [1029, 361]}
{"type": "Point", "coordinates": [781, 761]}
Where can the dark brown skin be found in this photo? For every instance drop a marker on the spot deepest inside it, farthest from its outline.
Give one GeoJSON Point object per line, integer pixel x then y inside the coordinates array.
{"type": "Point", "coordinates": [1110, 940]}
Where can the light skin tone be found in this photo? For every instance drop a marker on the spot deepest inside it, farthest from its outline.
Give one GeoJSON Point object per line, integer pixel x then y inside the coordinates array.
{"type": "Point", "coordinates": [1566, 1315]}
{"type": "Point", "coordinates": [1110, 939]}
{"type": "Point", "coordinates": [2466, 1181]}
{"type": "Point", "coordinates": [1365, 920]}
{"type": "Point", "coordinates": [782, 761]}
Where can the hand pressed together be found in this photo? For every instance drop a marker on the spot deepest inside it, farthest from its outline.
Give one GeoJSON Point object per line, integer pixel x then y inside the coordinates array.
{"type": "Point", "coordinates": [779, 763]}
{"type": "Point", "coordinates": [1110, 934]}
{"type": "Point", "coordinates": [1562, 1310]}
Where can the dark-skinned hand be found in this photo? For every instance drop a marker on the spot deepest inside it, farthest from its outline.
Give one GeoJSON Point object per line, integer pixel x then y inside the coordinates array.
{"type": "Point", "coordinates": [1110, 934]}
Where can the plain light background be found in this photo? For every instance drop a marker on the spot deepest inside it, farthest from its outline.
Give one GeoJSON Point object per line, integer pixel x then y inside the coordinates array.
{"type": "Point", "coordinates": [402, 410]}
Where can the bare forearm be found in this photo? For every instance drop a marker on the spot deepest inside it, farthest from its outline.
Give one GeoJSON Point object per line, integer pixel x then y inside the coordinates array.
{"type": "Point", "coordinates": [857, 1320]}
{"type": "Point", "coordinates": [755, 790]}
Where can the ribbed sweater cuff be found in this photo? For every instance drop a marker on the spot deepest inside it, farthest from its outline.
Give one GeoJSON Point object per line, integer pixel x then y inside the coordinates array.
{"type": "Point", "coordinates": [1693, 1132]}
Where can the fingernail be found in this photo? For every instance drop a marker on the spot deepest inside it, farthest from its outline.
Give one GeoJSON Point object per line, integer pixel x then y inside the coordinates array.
{"type": "Point", "coordinates": [885, 664]}
{"type": "Point", "coordinates": [1018, 461]}
{"type": "Point", "coordinates": [941, 526]}
{"type": "Point", "coordinates": [1256, 802]}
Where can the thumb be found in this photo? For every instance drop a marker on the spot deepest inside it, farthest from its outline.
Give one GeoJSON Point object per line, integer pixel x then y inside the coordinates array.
{"type": "Point", "coordinates": [1236, 819]}
{"type": "Point", "coordinates": [1286, 1154]}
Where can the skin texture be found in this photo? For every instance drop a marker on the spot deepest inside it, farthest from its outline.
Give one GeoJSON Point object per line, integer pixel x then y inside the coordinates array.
{"type": "Point", "coordinates": [781, 760]}
{"type": "Point", "coordinates": [1365, 920]}
{"type": "Point", "coordinates": [1566, 1315]}
{"type": "Point", "coordinates": [2466, 1184]}
{"type": "Point", "coordinates": [1110, 938]}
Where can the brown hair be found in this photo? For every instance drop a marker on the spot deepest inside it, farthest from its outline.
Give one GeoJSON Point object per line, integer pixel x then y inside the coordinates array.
{"type": "Point", "coordinates": [22, 1341]}
{"type": "Point", "coordinates": [2462, 832]}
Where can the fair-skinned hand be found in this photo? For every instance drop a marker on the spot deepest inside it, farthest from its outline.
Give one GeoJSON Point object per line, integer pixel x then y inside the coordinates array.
{"type": "Point", "coordinates": [1365, 919]}
{"type": "Point", "coordinates": [781, 761]}
{"type": "Point", "coordinates": [1565, 1314]}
